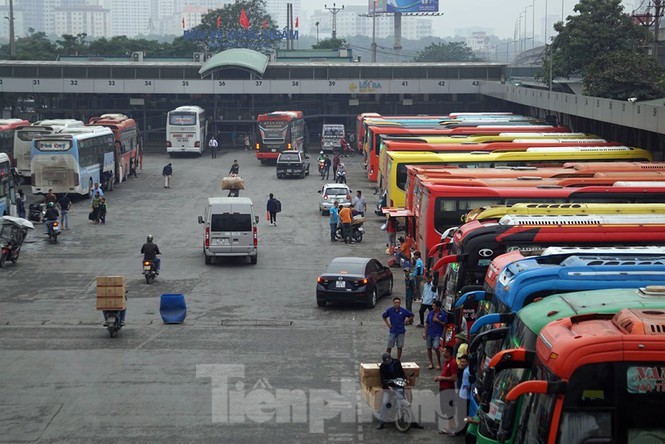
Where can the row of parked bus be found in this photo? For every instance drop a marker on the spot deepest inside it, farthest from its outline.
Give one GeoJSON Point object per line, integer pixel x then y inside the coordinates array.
{"type": "Point", "coordinates": [547, 245]}
{"type": "Point", "coordinates": [67, 155]}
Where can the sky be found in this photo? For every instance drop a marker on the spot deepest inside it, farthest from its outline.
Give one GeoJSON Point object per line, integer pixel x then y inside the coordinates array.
{"type": "Point", "coordinates": [500, 15]}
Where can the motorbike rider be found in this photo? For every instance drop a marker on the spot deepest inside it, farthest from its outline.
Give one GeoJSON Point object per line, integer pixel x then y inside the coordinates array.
{"type": "Point", "coordinates": [390, 369]}
{"type": "Point", "coordinates": [341, 174]}
{"type": "Point", "coordinates": [150, 251]}
{"type": "Point", "coordinates": [51, 215]}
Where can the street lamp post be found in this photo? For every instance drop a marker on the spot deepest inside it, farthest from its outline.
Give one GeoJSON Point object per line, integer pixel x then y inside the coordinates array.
{"type": "Point", "coordinates": [334, 10]}
{"type": "Point", "coordinates": [533, 23]}
{"type": "Point", "coordinates": [12, 40]}
{"type": "Point", "coordinates": [317, 31]}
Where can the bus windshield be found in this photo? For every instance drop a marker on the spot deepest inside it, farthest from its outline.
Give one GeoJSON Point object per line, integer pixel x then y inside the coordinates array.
{"type": "Point", "coordinates": [182, 118]}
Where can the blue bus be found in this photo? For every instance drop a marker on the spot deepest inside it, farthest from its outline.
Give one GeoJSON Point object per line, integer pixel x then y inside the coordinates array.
{"type": "Point", "coordinates": [72, 161]}
{"type": "Point", "coordinates": [7, 191]}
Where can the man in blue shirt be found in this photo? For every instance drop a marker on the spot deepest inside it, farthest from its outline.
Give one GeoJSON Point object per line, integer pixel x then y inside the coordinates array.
{"type": "Point", "coordinates": [429, 294]}
{"type": "Point", "coordinates": [418, 270]}
{"type": "Point", "coordinates": [436, 322]}
{"type": "Point", "coordinates": [334, 220]}
{"type": "Point", "coordinates": [395, 318]}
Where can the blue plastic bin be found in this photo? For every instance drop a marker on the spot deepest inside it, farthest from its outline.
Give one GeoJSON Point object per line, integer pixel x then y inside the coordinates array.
{"type": "Point", "coordinates": [173, 308]}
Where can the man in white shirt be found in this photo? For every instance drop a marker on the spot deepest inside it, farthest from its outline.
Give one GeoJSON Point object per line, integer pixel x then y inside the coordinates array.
{"type": "Point", "coordinates": [429, 295]}
{"type": "Point", "coordinates": [213, 147]}
{"type": "Point", "coordinates": [359, 203]}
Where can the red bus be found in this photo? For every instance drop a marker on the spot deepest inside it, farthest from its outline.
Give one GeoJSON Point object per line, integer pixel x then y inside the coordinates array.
{"type": "Point", "coordinates": [463, 261]}
{"type": "Point", "coordinates": [279, 131]}
{"type": "Point", "coordinates": [128, 152]}
{"type": "Point", "coordinates": [593, 378]}
{"type": "Point", "coordinates": [459, 135]}
{"type": "Point", "coordinates": [7, 129]}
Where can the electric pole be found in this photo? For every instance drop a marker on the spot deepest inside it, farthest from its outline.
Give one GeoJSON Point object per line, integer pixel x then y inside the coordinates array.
{"type": "Point", "coordinates": [12, 40]}
{"type": "Point", "coordinates": [334, 10]}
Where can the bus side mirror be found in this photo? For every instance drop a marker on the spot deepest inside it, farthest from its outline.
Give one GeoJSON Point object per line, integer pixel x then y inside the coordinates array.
{"type": "Point", "coordinates": [200, 219]}
{"type": "Point", "coordinates": [486, 389]}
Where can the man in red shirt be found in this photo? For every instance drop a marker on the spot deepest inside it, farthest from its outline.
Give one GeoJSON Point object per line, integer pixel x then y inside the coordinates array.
{"type": "Point", "coordinates": [447, 395]}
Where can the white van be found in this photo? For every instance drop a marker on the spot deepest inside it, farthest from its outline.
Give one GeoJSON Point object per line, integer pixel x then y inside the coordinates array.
{"type": "Point", "coordinates": [330, 137]}
{"type": "Point", "coordinates": [230, 228]}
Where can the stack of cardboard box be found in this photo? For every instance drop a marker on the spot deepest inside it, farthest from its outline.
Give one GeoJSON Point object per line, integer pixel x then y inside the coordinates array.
{"type": "Point", "coordinates": [371, 388]}
{"type": "Point", "coordinates": [111, 293]}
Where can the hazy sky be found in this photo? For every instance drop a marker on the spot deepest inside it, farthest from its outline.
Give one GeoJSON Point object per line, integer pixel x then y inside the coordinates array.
{"type": "Point", "coordinates": [497, 14]}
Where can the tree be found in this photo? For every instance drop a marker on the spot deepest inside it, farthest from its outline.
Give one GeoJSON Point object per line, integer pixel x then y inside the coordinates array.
{"type": "Point", "coordinates": [35, 47]}
{"type": "Point", "coordinates": [601, 27]}
{"type": "Point", "coordinates": [609, 77]}
{"type": "Point", "coordinates": [73, 45]}
{"type": "Point", "coordinates": [331, 44]}
{"type": "Point", "coordinates": [221, 29]}
{"type": "Point", "coordinates": [446, 52]}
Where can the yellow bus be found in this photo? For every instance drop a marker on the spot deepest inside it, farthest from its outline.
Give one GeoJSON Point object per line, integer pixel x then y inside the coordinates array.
{"type": "Point", "coordinates": [393, 178]}
{"type": "Point", "coordinates": [561, 209]}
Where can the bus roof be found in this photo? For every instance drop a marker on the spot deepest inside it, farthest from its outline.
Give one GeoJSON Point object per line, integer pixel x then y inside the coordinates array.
{"type": "Point", "coordinates": [554, 153]}
{"type": "Point", "coordinates": [582, 219]}
{"type": "Point", "coordinates": [278, 114]}
{"type": "Point", "coordinates": [77, 133]}
{"type": "Point", "coordinates": [188, 108]}
{"type": "Point", "coordinates": [567, 344]}
{"type": "Point", "coordinates": [496, 212]}
{"type": "Point", "coordinates": [6, 124]}
{"type": "Point", "coordinates": [541, 312]}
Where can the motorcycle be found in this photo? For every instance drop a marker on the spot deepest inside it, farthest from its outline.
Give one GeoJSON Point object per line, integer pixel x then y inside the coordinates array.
{"type": "Point", "coordinates": [340, 177]}
{"type": "Point", "coordinates": [322, 166]}
{"type": "Point", "coordinates": [149, 271]}
{"type": "Point", "coordinates": [53, 228]}
{"type": "Point", "coordinates": [347, 150]}
{"type": "Point", "coordinates": [233, 192]}
{"type": "Point", "coordinates": [357, 229]}
{"type": "Point", "coordinates": [12, 233]}
{"type": "Point", "coordinates": [36, 212]}
{"type": "Point", "coordinates": [113, 321]}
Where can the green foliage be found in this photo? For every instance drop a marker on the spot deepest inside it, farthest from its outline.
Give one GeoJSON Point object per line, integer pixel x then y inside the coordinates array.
{"type": "Point", "coordinates": [446, 52]}
{"type": "Point", "coordinates": [601, 27]}
{"type": "Point", "coordinates": [232, 34]}
{"type": "Point", "coordinates": [34, 47]}
{"type": "Point", "coordinates": [73, 45]}
{"type": "Point", "coordinates": [331, 44]}
{"type": "Point", "coordinates": [623, 74]}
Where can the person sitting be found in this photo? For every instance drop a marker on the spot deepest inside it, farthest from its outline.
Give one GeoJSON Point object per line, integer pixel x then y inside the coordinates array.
{"type": "Point", "coordinates": [404, 251]}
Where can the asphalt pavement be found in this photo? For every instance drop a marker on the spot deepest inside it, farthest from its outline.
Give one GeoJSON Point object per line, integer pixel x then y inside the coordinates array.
{"type": "Point", "coordinates": [255, 360]}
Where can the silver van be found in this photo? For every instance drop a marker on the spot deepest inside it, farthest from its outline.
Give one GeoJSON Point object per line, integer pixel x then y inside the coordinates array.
{"type": "Point", "coordinates": [230, 228]}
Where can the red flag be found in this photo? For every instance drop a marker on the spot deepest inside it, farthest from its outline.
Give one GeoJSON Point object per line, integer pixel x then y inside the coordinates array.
{"type": "Point", "coordinates": [183, 23]}
{"type": "Point", "coordinates": [244, 21]}
{"type": "Point", "coordinates": [265, 24]}
{"type": "Point", "coordinates": [219, 21]}
{"type": "Point", "coordinates": [296, 22]}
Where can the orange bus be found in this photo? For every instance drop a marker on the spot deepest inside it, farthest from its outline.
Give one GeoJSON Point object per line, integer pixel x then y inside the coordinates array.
{"type": "Point", "coordinates": [594, 378]}
{"type": "Point", "coordinates": [128, 153]}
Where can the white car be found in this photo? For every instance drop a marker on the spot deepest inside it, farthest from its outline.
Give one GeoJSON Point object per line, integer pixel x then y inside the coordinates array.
{"type": "Point", "coordinates": [331, 193]}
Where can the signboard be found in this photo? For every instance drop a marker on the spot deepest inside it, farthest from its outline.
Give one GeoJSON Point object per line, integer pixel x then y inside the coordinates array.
{"type": "Point", "coordinates": [646, 379]}
{"type": "Point", "coordinates": [392, 6]}
{"type": "Point", "coordinates": [52, 145]}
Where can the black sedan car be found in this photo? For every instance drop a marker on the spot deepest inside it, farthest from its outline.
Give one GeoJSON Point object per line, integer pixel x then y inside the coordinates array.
{"type": "Point", "coordinates": [354, 279]}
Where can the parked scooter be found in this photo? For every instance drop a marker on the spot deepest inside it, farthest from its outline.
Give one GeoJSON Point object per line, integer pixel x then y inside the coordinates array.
{"type": "Point", "coordinates": [347, 149]}
{"type": "Point", "coordinates": [149, 271]}
{"type": "Point", "coordinates": [36, 212]}
{"type": "Point", "coordinates": [357, 230]}
{"type": "Point", "coordinates": [13, 231]}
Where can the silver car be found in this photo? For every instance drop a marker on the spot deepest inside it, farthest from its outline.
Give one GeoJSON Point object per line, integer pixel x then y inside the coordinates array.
{"type": "Point", "coordinates": [331, 193]}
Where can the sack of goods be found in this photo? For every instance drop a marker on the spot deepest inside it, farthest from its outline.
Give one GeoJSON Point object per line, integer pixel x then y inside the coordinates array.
{"type": "Point", "coordinates": [233, 183]}
{"type": "Point", "coordinates": [358, 220]}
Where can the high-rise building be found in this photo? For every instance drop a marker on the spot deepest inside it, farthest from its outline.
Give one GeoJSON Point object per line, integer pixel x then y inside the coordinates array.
{"type": "Point", "coordinates": [129, 17]}
{"type": "Point", "coordinates": [277, 10]}
{"type": "Point", "coordinates": [19, 29]}
{"type": "Point", "coordinates": [94, 21]}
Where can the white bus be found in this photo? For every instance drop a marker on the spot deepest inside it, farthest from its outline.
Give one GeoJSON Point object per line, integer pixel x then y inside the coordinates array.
{"type": "Point", "coordinates": [186, 129]}
{"type": "Point", "coordinates": [23, 139]}
{"type": "Point", "coordinates": [72, 161]}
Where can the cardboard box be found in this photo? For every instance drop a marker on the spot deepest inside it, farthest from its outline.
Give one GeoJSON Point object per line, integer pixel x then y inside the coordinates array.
{"type": "Point", "coordinates": [110, 281]}
{"type": "Point", "coordinates": [111, 303]}
{"type": "Point", "coordinates": [106, 292]}
{"type": "Point", "coordinates": [370, 370]}
{"type": "Point", "coordinates": [233, 183]}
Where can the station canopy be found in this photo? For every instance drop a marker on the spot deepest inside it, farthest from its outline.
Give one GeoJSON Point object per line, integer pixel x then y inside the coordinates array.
{"type": "Point", "coordinates": [236, 58]}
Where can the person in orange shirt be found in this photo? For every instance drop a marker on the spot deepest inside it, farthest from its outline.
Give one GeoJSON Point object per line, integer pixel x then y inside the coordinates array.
{"type": "Point", "coordinates": [405, 248]}
{"type": "Point", "coordinates": [345, 217]}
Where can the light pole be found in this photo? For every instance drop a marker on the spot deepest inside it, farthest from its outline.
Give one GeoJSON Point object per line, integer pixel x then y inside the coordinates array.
{"type": "Point", "coordinates": [533, 23]}
{"type": "Point", "coordinates": [374, 33]}
{"type": "Point", "coordinates": [317, 31]}
{"type": "Point", "coordinates": [334, 10]}
{"type": "Point", "coordinates": [12, 40]}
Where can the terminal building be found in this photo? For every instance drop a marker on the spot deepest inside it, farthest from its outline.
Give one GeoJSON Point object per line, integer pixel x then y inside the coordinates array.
{"type": "Point", "coordinates": [236, 85]}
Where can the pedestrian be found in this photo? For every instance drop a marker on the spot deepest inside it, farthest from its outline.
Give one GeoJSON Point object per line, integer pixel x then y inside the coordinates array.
{"type": "Point", "coordinates": [334, 220]}
{"type": "Point", "coordinates": [132, 167]}
{"type": "Point", "coordinates": [463, 390]}
{"type": "Point", "coordinates": [394, 318]}
{"type": "Point", "coordinates": [273, 207]}
{"type": "Point", "coordinates": [341, 174]}
{"type": "Point", "coordinates": [326, 167]}
{"type": "Point", "coordinates": [346, 218]}
{"type": "Point", "coordinates": [102, 210]}
{"type": "Point", "coordinates": [429, 295]}
{"type": "Point", "coordinates": [404, 252]}
{"type": "Point", "coordinates": [96, 189]}
{"type": "Point", "coordinates": [64, 203]}
{"type": "Point", "coordinates": [234, 138]}
{"type": "Point", "coordinates": [446, 382]}
{"type": "Point", "coordinates": [335, 164]}
{"type": "Point", "coordinates": [418, 274]}
{"type": "Point", "coordinates": [245, 141]}
{"type": "Point", "coordinates": [460, 349]}
{"type": "Point", "coordinates": [409, 284]}
{"type": "Point", "coordinates": [96, 202]}
{"type": "Point", "coordinates": [391, 229]}
{"type": "Point", "coordinates": [235, 168]}
{"type": "Point", "coordinates": [21, 199]}
{"type": "Point", "coordinates": [434, 328]}
{"type": "Point", "coordinates": [50, 197]}
{"type": "Point", "coordinates": [213, 147]}
{"type": "Point", "coordinates": [167, 172]}
{"type": "Point", "coordinates": [360, 203]}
